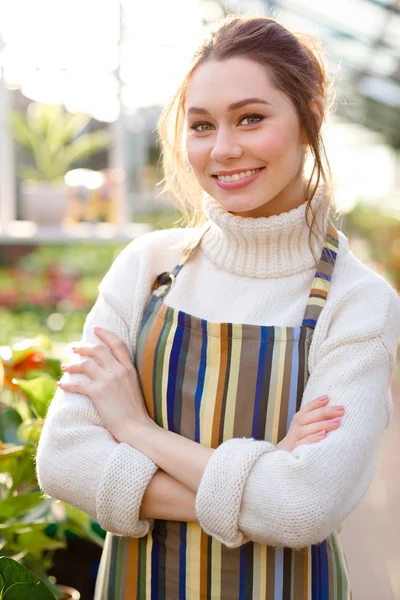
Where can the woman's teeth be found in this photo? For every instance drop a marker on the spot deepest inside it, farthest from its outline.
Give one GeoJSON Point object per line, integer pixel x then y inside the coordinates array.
{"type": "Point", "coordinates": [237, 176]}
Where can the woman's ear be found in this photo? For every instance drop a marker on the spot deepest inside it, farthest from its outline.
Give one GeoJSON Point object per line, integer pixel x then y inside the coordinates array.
{"type": "Point", "coordinates": [317, 109]}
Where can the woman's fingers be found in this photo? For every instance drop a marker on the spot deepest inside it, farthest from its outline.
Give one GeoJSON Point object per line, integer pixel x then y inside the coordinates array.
{"type": "Point", "coordinates": [314, 428]}
{"type": "Point", "coordinates": [88, 367]}
{"type": "Point", "coordinates": [98, 352]}
{"type": "Point", "coordinates": [115, 344]}
{"type": "Point", "coordinates": [112, 352]}
{"type": "Point", "coordinates": [317, 403]}
{"type": "Point", "coordinates": [320, 414]}
{"type": "Point", "coordinates": [75, 387]}
{"type": "Point", "coordinates": [311, 439]}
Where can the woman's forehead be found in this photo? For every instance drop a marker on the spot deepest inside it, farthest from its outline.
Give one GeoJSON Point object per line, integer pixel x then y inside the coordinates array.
{"type": "Point", "coordinates": [228, 82]}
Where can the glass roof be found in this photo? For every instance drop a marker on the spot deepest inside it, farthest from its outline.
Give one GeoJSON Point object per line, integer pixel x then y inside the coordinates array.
{"type": "Point", "coordinates": [362, 42]}
{"type": "Point", "coordinates": [119, 51]}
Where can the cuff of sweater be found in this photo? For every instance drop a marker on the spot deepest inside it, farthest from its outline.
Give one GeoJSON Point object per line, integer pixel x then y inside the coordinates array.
{"type": "Point", "coordinates": [126, 476]}
{"type": "Point", "coordinates": [220, 492]}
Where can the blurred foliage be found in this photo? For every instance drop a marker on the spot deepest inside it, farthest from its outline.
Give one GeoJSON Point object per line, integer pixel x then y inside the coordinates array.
{"type": "Point", "coordinates": [32, 526]}
{"type": "Point", "coordinates": [54, 140]}
{"type": "Point", "coordinates": [17, 325]}
{"type": "Point", "coordinates": [52, 289]}
{"type": "Point", "coordinates": [381, 231]}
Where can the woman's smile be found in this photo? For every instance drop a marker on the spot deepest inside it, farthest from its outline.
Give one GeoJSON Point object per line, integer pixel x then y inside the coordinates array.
{"type": "Point", "coordinates": [237, 179]}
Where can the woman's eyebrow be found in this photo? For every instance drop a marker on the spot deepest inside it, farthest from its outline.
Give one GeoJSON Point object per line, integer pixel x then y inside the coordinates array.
{"type": "Point", "coordinates": [231, 107]}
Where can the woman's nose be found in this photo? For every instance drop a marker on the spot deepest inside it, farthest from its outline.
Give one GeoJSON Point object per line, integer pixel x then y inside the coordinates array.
{"type": "Point", "coordinates": [225, 147]}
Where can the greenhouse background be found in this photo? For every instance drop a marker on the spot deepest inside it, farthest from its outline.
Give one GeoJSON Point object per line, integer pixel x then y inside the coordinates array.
{"type": "Point", "coordinates": [100, 73]}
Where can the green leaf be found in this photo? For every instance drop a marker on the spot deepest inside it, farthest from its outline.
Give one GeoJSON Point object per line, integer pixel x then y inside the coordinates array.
{"type": "Point", "coordinates": [1, 375]}
{"type": "Point", "coordinates": [39, 391]}
{"type": "Point", "coordinates": [29, 173]}
{"type": "Point", "coordinates": [10, 420]}
{"type": "Point", "coordinates": [11, 452]}
{"type": "Point", "coordinates": [24, 474]}
{"type": "Point", "coordinates": [20, 527]}
{"type": "Point", "coordinates": [73, 125]}
{"type": "Point", "coordinates": [53, 367]}
{"type": "Point", "coordinates": [21, 350]}
{"type": "Point", "coordinates": [40, 569]}
{"type": "Point", "coordinates": [30, 430]}
{"type": "Point", "coordinates": [37, 541]}
{"type": "Point", "coordinates": [78, 517]}
{"type": "Point", "coordinates": [86, 145]}
{"type": "Point", "coordinates": [28, 591]}
{"type": "Point", "coordinates": [17, 505]}
{"type": "Point", "coordinates": [21, 130]}
{"type": "Point", "coordinates": [8, 465]}
{"type": "Point", "coordinates": [20, 584]}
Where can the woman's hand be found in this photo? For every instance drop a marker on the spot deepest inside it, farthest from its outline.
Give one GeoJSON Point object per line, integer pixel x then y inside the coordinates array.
{"type": "Point", "coordinates": [114, 386]}
{"type": "Point", "coordinates": [311, 424]}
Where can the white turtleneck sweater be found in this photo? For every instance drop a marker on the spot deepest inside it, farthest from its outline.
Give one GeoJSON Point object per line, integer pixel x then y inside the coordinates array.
{"type": "Point", "coordinates": [256, 271]}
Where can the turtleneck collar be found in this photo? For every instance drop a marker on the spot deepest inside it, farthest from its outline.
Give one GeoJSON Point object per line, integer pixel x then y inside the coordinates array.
{"type": "Point", "coordinates": [276, 246]}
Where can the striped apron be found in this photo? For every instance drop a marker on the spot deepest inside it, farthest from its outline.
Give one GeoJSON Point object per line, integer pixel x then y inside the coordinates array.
{"type": "Point", "coordinates": [211, 382]}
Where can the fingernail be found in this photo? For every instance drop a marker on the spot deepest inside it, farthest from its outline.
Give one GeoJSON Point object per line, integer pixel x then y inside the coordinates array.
{"type": "Point", "coordinates": [340, 407]}
{"type": "Point", "coordinates": [322, 398]}
{"type": "Point", "coordinates": [322, 433]}
{"type": "Point", "coordinates": [96, 328]}
{"type": "Point", "coordinates": [336, 420]}
{"type": "Point", "coordinates": [63, 367]}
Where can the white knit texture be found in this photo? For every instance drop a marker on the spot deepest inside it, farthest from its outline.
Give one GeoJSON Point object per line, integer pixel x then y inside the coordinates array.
{"type": "Point", "coordinates": [287, 498]}
{"type": "Point", "coordinates": [126, 492]}
{"type": "Point", "coordinates": [227, 469]}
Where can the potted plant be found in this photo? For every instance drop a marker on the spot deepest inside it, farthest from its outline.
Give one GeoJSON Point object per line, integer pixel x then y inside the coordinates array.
{"type": "Point", "coordinates": [54, 140]}
{"type": "Point", "coordinates": [32, 527]}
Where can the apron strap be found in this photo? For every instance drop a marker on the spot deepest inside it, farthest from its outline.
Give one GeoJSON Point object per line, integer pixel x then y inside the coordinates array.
{"type": "Point", "coordinates": [319, 289]}
{"type": "Point", "coordinates": [322, 279]}
{"type": "Point", "coordinates": [164, 282]}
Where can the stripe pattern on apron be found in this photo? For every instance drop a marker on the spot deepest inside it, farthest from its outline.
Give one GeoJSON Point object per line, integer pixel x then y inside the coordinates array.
{"type": "Point", "coordinates": [212, 382]}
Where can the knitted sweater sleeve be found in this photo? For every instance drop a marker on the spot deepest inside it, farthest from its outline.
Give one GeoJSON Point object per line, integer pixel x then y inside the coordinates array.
{"type": "Point", "coordinates": [78, 461]}
{"type": "Point", "coordinates": [252, 491]}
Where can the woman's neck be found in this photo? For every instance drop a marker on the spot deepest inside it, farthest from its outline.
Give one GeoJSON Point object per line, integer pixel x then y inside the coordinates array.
{"type": "Point", "coordinates": [275, 246]}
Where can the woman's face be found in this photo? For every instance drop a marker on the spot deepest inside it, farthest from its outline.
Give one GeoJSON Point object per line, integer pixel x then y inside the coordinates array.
{"type": "Point", "coordinates": [243, 139]}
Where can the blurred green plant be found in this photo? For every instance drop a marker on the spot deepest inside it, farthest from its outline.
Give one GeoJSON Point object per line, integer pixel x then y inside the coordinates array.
{"type": "Point", "coordinates": [381, 232]}
{"type": "Point", "coordinates": [32, 526]}
{"type": "Point", "coordinates": [15, 326]}
{"type": "Point", "coordinates": [54, 139]}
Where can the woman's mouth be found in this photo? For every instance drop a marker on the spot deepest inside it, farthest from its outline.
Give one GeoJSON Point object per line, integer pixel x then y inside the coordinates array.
{"type": "Point", "coordinates": [237, 180]}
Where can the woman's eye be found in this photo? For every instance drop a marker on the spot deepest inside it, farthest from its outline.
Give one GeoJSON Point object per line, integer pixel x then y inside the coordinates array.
{"type": "Point", "coordinates": [200, 127]}
{"type": "Point", "coordinates": [251, 119]}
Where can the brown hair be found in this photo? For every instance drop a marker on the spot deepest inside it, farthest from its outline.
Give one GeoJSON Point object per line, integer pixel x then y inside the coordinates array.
{"type": "Point", "coordinates": [294, 61]}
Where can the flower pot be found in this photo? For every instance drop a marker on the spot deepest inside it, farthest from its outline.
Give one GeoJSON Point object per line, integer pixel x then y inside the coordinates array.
{"type": "Point", "coordinates": [69, 593]}
{"type": "Point", "coordinates": [43, 202]}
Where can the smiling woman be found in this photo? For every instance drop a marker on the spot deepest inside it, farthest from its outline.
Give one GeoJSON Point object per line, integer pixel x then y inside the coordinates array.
{"type": "Point", "coordinates": [268, 146]}
{"type": "Point", "coordinates": [236, 420]}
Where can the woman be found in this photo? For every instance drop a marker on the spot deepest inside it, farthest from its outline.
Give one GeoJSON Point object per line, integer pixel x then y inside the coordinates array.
{"type": "Point", "coordinates": [223, 462]}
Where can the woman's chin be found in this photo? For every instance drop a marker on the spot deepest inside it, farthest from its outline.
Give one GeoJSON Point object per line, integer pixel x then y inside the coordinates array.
{"type": "Point", "coordinates": [240, 205]}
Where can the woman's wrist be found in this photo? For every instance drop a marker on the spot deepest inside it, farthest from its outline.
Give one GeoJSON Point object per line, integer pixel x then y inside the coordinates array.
{"type": "Point", "coordinates": [137, 433]}
{"type": "Point", "coordinates": [168, 499]}
{"type": "Point", "coordinates": [178, 456]}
